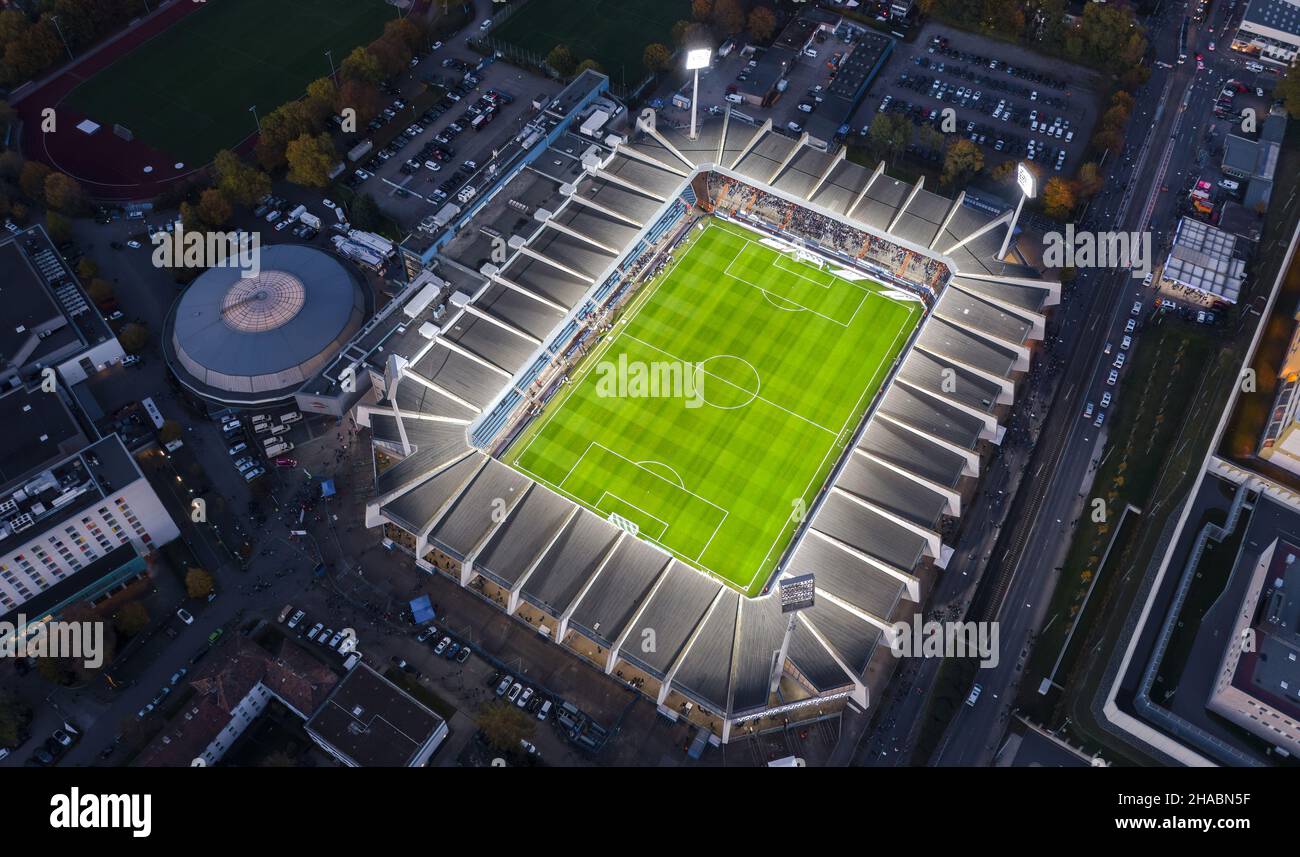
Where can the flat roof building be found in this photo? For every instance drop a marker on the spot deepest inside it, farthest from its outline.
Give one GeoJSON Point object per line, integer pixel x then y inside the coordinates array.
{"type": "Point", "coordinates": [1258, 683]}
{"type": "Point", "coordinates": [1203, 266]}
{"type": "Point", "coordinates": [48, 319]}
{"type": "Point", "coordinates": [1270, 30]}
{"type": "Point", "coordinates": [370, 722]}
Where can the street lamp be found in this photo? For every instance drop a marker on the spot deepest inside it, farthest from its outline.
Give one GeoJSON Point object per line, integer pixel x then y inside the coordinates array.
{"type": "Point", "coordinates": [1028, 190]}
{"type": "Point", "coordinates": [258, 122]}
{"type": "Point", "coordinates": [696, 60]}
{"type": "Point", "coordinates": [329, 55]}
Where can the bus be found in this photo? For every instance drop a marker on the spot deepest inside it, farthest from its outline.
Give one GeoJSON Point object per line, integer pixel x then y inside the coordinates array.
{"type": "Point", "coordinates": [1182, 42]}
{"type": "Point", "coordinates": [151, 409]}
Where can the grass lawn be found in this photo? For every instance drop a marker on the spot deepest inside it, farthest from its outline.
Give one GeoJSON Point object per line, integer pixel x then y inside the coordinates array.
{"type": "Point", "coordinates": [612, 32]}
{"type": "Point", "coordinates": [764, 366]}
{"type": "Point", "coordinates": [188, 91]}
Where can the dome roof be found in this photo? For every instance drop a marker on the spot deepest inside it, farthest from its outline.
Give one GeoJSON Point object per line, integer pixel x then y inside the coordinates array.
{"type": "Point", "coordinates": [262, 336]}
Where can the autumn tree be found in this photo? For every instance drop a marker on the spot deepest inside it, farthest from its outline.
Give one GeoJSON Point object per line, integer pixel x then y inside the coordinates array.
{"type": "Point", "coordinates": [170, 431]}
{"type": "Point", "coordinates": [588, 64]}
{"type": "Point", "coordinates": [59, 227]}
{"type": "Point", "coordinates": [133, 338]}
{"type": "Point", "coordinates": [1058, 198]}
{"type": "Point", "coordinates": [701, 10]}
{"type": "Point", "coordinates": [962, 161]}
{"type": "Point", "coordinates": [198, 583]}
{"type": "Point", "coordinates": [64, 193]}
{"type": "Point", "coordinates": [762, 23]}
{"type": "Point", "coordinates": [310, 160]}
{"type": "Point", "coordinates": [656, 57]}
{"type": "Point", "coordinates": [31, 181]}
{"type": "Point", "coordinates": [890, 134]}
{"type": "Point", "coordinates": [504, 725]}
{"type": "Point", "coordinates": [561, 59]}
{"type": "Point", "coordinates": [242, 184]}
{"type": "Point", "coordinates": [213, 208]}
{"type": "Point", "coordinates": [361, 65]}
{"type": "Point", "coordinates": [131, 618]}
{"type": "Point", "coordinates": [728, 16]}
{"type": "Point", "coordinates": [1288, 91]}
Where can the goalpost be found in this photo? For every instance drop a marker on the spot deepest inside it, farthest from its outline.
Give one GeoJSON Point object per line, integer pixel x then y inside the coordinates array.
{"type": "Point", "coordinates": [800, 252]}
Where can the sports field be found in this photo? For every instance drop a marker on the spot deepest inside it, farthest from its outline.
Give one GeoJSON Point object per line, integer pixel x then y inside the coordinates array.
{"type": "Point", "coordinates": [711, 414]}
{"type": "Point", "coordinates": [612, 32]}
{"type": "Point", "coordinates": [189, 90]}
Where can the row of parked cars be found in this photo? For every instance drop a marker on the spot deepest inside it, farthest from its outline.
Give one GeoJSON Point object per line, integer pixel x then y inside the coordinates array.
{"type": "Point", "coordinates": [522, 695]}
{"type": "Point", "coordinates": [942, 47]}
{"type": "Point", "coordinates": [59, 742]}
{"type": "Point", "coordinates": [326, 637]}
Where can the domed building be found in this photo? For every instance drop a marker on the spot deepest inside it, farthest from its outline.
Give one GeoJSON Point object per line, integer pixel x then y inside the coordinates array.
{"type": "Point", "coordinates": [251, 341]}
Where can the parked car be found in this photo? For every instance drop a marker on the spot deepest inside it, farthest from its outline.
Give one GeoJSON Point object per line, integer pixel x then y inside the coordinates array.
{"type": "Point", "coordinates": [184, 616]}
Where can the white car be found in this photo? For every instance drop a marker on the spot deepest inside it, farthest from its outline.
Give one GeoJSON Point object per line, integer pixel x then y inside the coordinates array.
{"type": "Point", "coordinates": [515, 690]}
{"type": "Point", "coordinates": [133, 244]}
{"type": "Point", "coordinates": [522, 701]}
{"type": "Point", "coordinates": [1119, 360]}
{"type": "Point", "coordinates": [184, 616]}
{"type": "Point", "coordinates": [1130, 325]}
{"type": "Point", "coordinates": [1087, 411]}
{"type": "Point", "coordinates": [1126, 342]}
{"type": "Point", "coordinates": [432, 166]}
{"type": "Point", "coordinates": [1112, 378]}
{"type": "Point", "coordinates": [1137, 308]}
{"type": "Point", "coordinates": [1105, 399]}
{"type": "Point", "coordinates": [328, 203]}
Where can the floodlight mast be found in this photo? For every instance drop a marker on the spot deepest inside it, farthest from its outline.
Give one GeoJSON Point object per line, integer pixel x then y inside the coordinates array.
{"type": "Point", "coordinates": [696, 60]}
{"type": "Point", "coordinates": [1028, 190]}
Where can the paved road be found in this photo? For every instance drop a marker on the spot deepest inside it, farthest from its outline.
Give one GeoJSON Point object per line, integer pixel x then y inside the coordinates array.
{"type": "Point", "coordinates": [1135, 200]}
{"type": "Point", "coordinates": [1065, 448]}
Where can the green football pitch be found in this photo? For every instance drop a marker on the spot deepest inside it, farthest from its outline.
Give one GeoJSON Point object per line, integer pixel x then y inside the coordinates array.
{"type": "Point", "coordinates": [713, 411]}
{"type": "Point", "coordinates": [188, 91]}
{"type": "Point", "coordinates": [612, 32]}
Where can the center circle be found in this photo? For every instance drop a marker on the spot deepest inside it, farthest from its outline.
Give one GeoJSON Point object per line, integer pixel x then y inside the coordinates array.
{"type": "Point", "coordinates": [262, 303]}
{"type": "Point", "coordinates": [735, 376]}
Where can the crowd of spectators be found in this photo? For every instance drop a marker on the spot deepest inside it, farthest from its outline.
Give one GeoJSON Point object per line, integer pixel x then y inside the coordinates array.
{"type": "Point", "coordinates": [730, 196]}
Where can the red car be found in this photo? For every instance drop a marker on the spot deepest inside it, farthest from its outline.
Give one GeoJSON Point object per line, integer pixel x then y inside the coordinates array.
{"type": "Point", "coordinates": [286, 462]}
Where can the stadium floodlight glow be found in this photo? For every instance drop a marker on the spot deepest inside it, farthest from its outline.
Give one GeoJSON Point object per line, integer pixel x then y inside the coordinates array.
{"type": "Point", "coordinates": [695, 60]}
{"type": "Point", "coordinates": [698, 59]}
{"type": "Point", "coordinates": [1028, 183]}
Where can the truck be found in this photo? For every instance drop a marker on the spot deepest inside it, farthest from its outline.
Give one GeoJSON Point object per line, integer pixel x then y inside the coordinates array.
{"type": "Point", "coordinates": [297, 213]}
{"type": "Point", "coordinates": [311, 220]}
{"type": "Point", "coordinates": [278, 448]}
{"type": "Point", "coordinates": [377, 243]}
{"type": "Point", "coordinates": [360, 150]}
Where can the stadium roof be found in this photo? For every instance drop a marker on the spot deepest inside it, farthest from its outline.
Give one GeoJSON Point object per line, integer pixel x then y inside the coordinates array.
{"type": "Point", "coordinates": [876, 531]}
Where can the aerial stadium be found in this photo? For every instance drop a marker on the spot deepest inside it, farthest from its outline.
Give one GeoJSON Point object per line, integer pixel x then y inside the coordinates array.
{"type": "Point", "coordinates": [855, 341]}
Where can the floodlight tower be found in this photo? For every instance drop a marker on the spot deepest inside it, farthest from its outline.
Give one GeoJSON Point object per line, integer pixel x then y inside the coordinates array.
{"type": "Point", "coordinates": [795, 594]}
{"type": "Point", "coordinates": [1028, 190]}
{"type": "Point", "coordinates": [696, 60]}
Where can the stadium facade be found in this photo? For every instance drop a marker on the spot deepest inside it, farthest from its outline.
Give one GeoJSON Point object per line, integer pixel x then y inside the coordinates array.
{"type": "Point", "coordinates": [482, 338]}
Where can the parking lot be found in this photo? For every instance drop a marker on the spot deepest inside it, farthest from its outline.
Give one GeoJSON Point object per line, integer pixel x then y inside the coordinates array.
{"type": "Point", "coordinates": [997, 92]}
{"type": "Point", "coordinates": [430, 141]}
{"type": "Point", "coordinates": [1004, 100]}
